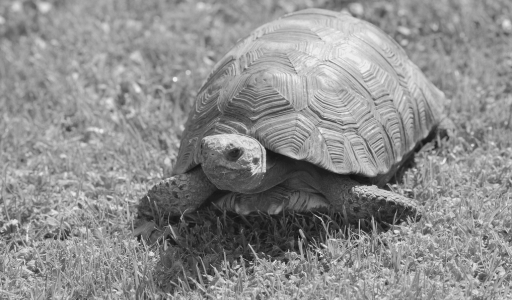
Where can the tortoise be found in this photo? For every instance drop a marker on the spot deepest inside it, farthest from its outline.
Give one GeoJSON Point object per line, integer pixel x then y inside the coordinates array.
{"type": "Point", "coordinates": [316, 110]}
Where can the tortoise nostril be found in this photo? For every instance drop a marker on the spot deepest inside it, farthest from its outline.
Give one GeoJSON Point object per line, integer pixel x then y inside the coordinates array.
{"type": "Point", "coordinates": [234, 154]}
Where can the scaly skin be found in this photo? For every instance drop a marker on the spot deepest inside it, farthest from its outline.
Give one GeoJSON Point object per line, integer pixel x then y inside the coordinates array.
{"type": "Point", "coordinates": [344, 194]}
{"type": "Point", "coordinates": [366, 201]}
{"type": "Point", "coordinates": [348, 196]}
{"type": "Point", "coordinates": [272, 201]}
{"type": "Point", "coordinates": [284, 184]}
{"type": "Point", "coordinates": [178, 194]}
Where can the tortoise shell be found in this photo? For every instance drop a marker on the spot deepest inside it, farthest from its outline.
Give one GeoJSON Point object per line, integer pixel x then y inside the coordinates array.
{"type": "Point", "coordinates": [318, 86]}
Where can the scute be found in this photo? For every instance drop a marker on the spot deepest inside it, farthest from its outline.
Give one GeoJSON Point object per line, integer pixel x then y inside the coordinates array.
{"type": "Point", "coordinates": [318, 86]}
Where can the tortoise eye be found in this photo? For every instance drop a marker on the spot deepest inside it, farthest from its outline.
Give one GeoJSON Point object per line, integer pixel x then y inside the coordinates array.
{"type": "Point", "coordinates": [234, 154]}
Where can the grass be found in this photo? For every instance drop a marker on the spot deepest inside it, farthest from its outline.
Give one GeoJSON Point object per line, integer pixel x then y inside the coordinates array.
{"type": "Point", "coordinates": [93, 95]}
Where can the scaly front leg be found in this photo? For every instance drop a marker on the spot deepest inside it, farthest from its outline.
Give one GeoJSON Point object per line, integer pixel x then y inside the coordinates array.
{"type": "Point", "coordinates": [178, 194]}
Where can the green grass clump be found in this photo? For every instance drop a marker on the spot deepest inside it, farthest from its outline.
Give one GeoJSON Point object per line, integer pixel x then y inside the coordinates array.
{"type": "Point", "coordinates": [93, 97]}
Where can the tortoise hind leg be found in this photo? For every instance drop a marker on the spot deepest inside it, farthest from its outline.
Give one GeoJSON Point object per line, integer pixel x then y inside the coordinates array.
{"type": "Point", "coordinates": [272, 201]}
{"type": "Point", "coordinates": [177, 195]}
{"type": "Point", "coordinates": [367, 201]}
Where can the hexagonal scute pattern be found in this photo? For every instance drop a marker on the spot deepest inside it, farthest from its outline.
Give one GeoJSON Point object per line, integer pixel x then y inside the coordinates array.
{"type": "Point", "coordinates": [318, 86]}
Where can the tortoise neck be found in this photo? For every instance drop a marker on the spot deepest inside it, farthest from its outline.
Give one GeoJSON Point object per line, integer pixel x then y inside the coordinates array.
{"type": "Point", "coordinates": [295, 174]}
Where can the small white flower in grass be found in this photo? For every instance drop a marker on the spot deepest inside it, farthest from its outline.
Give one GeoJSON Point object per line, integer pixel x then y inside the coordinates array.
{"type": "Point", "coordinates": [44, 7]}
{"type": "Point", "coordinates": [167, 162]}
{"type": "Point", "coordinates": [40, 43]}
{"type": "Point", "coordinates": [404, 30]}
{"type": "Point", "coordinates": [95, 130]}
{"type": "Point", "coordinates": [202, 6]}
{"type": "Point", "coordinates": [404, 42]}
{"type": "Point", "coordinates": [17, 6]}
{"type": "Point", "coordinates": [356, 9]}
{"type": "Point", "coordinates": [506, 25]}
{"type": "Point", "coordinates": [136, 56]}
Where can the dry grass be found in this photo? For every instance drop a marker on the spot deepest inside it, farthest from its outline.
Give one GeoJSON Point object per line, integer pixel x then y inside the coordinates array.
{"type": "Point", "coordinates": [93, 95]}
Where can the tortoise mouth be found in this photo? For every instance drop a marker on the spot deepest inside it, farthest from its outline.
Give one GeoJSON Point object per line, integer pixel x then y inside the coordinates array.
{"type": "Point", "coordinates": [238, 180]}
{"type": "Point", "coordinates": [232, 179]}
{"type": "Point", "coordinates": [222, 174]}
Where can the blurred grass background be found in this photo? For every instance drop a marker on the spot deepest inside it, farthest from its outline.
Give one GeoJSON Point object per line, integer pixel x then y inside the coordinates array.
{"type": "Point", "coordinates": [93, 97]}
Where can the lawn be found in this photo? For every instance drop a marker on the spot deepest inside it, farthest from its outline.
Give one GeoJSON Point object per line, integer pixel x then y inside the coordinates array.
{"type": "Point", "coordinates": [93, 98]}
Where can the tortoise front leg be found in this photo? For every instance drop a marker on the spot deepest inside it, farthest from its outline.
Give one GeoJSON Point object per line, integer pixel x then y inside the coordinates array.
{"type": "Point", "coordinates": [366, 201]}
{"type": "Point", "coordinates": [178, 194]}
{"type": "Point", "coordinates": [272, 201]}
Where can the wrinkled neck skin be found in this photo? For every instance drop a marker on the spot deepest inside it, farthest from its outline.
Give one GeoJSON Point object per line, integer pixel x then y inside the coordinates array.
{"type": "Point", "coordinates": [276, 172]}
{"type": "Point", "coordinates": [297, 175]}
{"type": "Point", "coordinates": [241, 164]}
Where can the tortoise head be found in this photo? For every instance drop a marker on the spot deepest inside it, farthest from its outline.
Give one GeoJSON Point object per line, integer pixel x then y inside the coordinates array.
{"type": "Point", "coordinates": [233, 162]}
